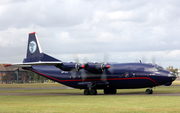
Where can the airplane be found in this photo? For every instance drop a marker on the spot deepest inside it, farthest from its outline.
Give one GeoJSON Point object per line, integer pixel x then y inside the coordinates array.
{"type": "Point", "coordinates": [93, 76]}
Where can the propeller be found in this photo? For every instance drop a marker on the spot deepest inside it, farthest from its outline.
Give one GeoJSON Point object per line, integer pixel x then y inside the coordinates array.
{"type": "Point", "coordinates": [104, 76]}
{"type": "Point", "coordinates": [78, 66]}
{"type": "Point", "coordinates": [144, 59]}
{"type": "Point", "coordinates": [83, 74]}
{"type": "Point", "coordinates": [153, 60]}
{"type": "Point", "coordinates": [104, 67]}
{"type": "Point", "coordinates": [88, 67]}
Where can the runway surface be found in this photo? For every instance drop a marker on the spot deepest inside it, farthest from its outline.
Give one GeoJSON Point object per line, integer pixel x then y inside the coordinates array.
{"type": "Point", "coordinates": [80, 94]}
{"type": "Point", "coordinates": [35, 88]}
{"type": "Point", "coordinates": [76, 94]}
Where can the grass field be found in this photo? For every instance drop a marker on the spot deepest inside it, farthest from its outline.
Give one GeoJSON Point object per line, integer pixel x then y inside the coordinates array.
{"type": "Point", "coordinates": [29, 85]}
{"type": "Point", "coordinates": [79, 103]}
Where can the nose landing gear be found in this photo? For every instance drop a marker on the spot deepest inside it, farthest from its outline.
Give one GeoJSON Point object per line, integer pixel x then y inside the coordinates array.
{"type": "Point", "coordinates": [149, 91]}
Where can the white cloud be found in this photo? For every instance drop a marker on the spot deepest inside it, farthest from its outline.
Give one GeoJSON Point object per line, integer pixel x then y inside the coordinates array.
{"type": "Point", "coordinates": [175, 54]}
{"type": "Point", "coordinates": [128, 30]}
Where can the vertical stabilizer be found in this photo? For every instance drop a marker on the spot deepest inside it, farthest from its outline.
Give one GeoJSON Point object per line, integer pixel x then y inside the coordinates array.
{"type": "Point", "coordinates": [33, 48]}
{"type": "Point", "coordinates": [34, 51]}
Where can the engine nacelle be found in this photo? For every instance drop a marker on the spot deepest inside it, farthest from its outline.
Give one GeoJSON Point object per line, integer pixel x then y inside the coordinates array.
{"type": "Point", "coordinates": [66, 66]}
{"type": "Point", "coordinates": [96, 68]}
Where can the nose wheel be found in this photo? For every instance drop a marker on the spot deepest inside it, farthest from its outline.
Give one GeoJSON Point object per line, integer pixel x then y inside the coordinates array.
{"type": "Point", "coordinates": [149, 91]}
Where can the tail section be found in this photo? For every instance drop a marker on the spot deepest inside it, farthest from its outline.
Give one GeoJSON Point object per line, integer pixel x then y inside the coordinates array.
{"type": "Point", "coordinates": [34, 51]}
{"type": "Point", "coordinates": [33, 48]}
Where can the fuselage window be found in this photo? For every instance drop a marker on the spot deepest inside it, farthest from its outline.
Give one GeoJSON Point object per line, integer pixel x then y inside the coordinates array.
{"type": "Point", "coordinates": [160, 68]}
{"type": "Point", "coordinates": [126, 75]}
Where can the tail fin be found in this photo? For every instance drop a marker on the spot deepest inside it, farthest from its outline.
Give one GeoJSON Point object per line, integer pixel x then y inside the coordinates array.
{"type": "Point", "coordinates": [34, 51]}
{"type": "Point", "coordinates": [33, 48]}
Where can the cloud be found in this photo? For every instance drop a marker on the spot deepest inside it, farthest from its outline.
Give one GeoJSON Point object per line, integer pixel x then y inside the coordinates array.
{"type": "Point", "coordinates": [127, 30]}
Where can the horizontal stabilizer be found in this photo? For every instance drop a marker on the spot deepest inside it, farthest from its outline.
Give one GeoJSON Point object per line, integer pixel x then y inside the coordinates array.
{"type": "Point", "coordinates": [28, 64]}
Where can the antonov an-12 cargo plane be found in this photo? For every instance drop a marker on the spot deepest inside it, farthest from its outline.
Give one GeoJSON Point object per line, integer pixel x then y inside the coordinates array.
{"type": "Point", "coordinates": [92, 76]}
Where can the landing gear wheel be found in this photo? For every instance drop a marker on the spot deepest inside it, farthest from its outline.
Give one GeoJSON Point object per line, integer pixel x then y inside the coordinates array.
{"type": "Point", "coordinates": [113, 91]}
{"type": "Point", "coordinates": [149, 91]}
{"type": "Point", "coordinates": [93, 92]}
{"type": "Point", "coordinates": [107, 91]}
{"type": "Point", "coordinates": [110, 91]}
{"type": "Point", "coordinates": [86, 92]}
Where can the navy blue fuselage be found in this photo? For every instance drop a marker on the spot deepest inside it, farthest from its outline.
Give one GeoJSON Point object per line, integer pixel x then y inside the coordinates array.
{"type": "Point", "coordinates": [125, 75]}
{"type": "Point", "coordinates": [94, 75]}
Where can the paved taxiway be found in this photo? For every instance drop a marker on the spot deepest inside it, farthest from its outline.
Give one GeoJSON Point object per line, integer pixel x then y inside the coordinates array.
{"type": "Point", "coordinates": [76, 94]}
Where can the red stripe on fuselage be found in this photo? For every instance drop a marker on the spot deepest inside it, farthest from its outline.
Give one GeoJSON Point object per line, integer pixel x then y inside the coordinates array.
{"type": "Point", "coordinates": [95, 79]}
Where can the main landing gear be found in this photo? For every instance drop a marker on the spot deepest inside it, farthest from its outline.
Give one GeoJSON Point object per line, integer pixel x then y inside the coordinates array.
{"type": "Point", "coordinates": [94, 91]}
{"type": "Point", "coordinates": [110, 91]}
{"type": "Point", "coordinates": [149, 91]}
{"type": "Point", "coordinates": [90, 92]}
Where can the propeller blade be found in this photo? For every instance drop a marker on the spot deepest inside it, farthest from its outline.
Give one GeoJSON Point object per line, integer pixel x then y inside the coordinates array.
{"type": "Point", "coordinates": [73, 73]}
{"type": "Point", "coordinates": [144, 59]}
{"type": "Point", "coordinates": [111, 69]}
{"type": "Point", "coordinates": [154, 60]}
{"type": "Point", "coordinates": [103, 76]}
{"type": "Point", "coordinates": [83, 75]}
{"type": "Point", "coordinates": [106, 57]}
{"type": "Point", "coordinates": [76, 58]}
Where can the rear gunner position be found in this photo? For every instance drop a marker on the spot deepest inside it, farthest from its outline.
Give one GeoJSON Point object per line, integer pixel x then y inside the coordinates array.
{"type": "Point", "coordinates": [92, 76]}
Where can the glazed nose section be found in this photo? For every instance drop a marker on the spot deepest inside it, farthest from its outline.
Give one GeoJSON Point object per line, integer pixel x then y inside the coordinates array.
{"type": "Point", "coordinates": [172, 75]}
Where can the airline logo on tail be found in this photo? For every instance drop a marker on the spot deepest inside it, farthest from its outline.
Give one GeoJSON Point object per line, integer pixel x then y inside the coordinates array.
{"type": "Point", "coordinates": [32, 46]}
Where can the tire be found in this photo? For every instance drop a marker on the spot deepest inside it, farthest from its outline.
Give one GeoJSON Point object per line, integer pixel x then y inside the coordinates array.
{"type": "Point", "coordinates": [107, 91]}
{"type": "Point", "coordinates": [86, 92]}
{"type": "Point", "coordinates": [149, 91]}
{"type": "Point", "coordinates": [93, 92]}
{"type": "Point", "coordinates": [113, 91]}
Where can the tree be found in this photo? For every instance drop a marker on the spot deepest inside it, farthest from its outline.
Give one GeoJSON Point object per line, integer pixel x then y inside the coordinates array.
{"type": "Point", "coordinates": [4, 78]}
{"type": "Point", "coordinates": [171, 68]}
{"type": "Point", "coordinates": [35, 77]}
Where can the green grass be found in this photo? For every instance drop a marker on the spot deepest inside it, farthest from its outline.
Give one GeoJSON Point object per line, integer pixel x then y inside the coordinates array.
{"type": "Point", "coordinates": [86, 104]}
{"type": "Point", "coordinates": [29, 85]}
{"type": "Point", "coordinates": [79, 103]}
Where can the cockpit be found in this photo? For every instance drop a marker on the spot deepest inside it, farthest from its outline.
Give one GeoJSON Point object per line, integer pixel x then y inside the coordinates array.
{"type": "Point", "coordinates": [154, 69]}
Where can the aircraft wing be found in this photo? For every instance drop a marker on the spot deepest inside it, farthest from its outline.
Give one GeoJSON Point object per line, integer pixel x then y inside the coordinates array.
{"type": "Point", "coordinates": [29, 64]}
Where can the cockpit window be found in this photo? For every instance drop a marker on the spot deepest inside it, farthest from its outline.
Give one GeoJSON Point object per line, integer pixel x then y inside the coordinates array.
{"type": "Point", "coordinates": [151, 69]}
{"type": "Point", "coordinates": [160, 68]}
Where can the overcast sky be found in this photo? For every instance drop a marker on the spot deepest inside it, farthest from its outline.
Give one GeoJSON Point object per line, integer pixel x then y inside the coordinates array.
{"type": "Point", "coordinates": [126, 30]}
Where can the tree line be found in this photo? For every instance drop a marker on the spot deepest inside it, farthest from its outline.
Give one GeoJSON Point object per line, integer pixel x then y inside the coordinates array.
{"type": "Point", "coordinates": [172, 69]}
{"type": "Point", "coordinates": [35, 78]}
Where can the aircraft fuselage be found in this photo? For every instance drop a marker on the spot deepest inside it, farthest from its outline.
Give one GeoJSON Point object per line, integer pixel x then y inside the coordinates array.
{"type": "Point", "coordinates": [124, 76]}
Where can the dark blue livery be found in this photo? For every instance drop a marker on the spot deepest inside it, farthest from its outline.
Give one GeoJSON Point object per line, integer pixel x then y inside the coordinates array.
{"type": "Point", "coordinates": [94, 75]}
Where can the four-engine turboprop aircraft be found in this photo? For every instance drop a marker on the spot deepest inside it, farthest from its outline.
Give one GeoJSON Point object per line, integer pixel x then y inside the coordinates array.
{"type": "Point", "coordinates": [92, 76]}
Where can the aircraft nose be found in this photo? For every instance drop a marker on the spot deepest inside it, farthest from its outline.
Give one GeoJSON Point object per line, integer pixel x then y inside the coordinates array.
{"type": "Point", "coordinates": [172, 75]}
